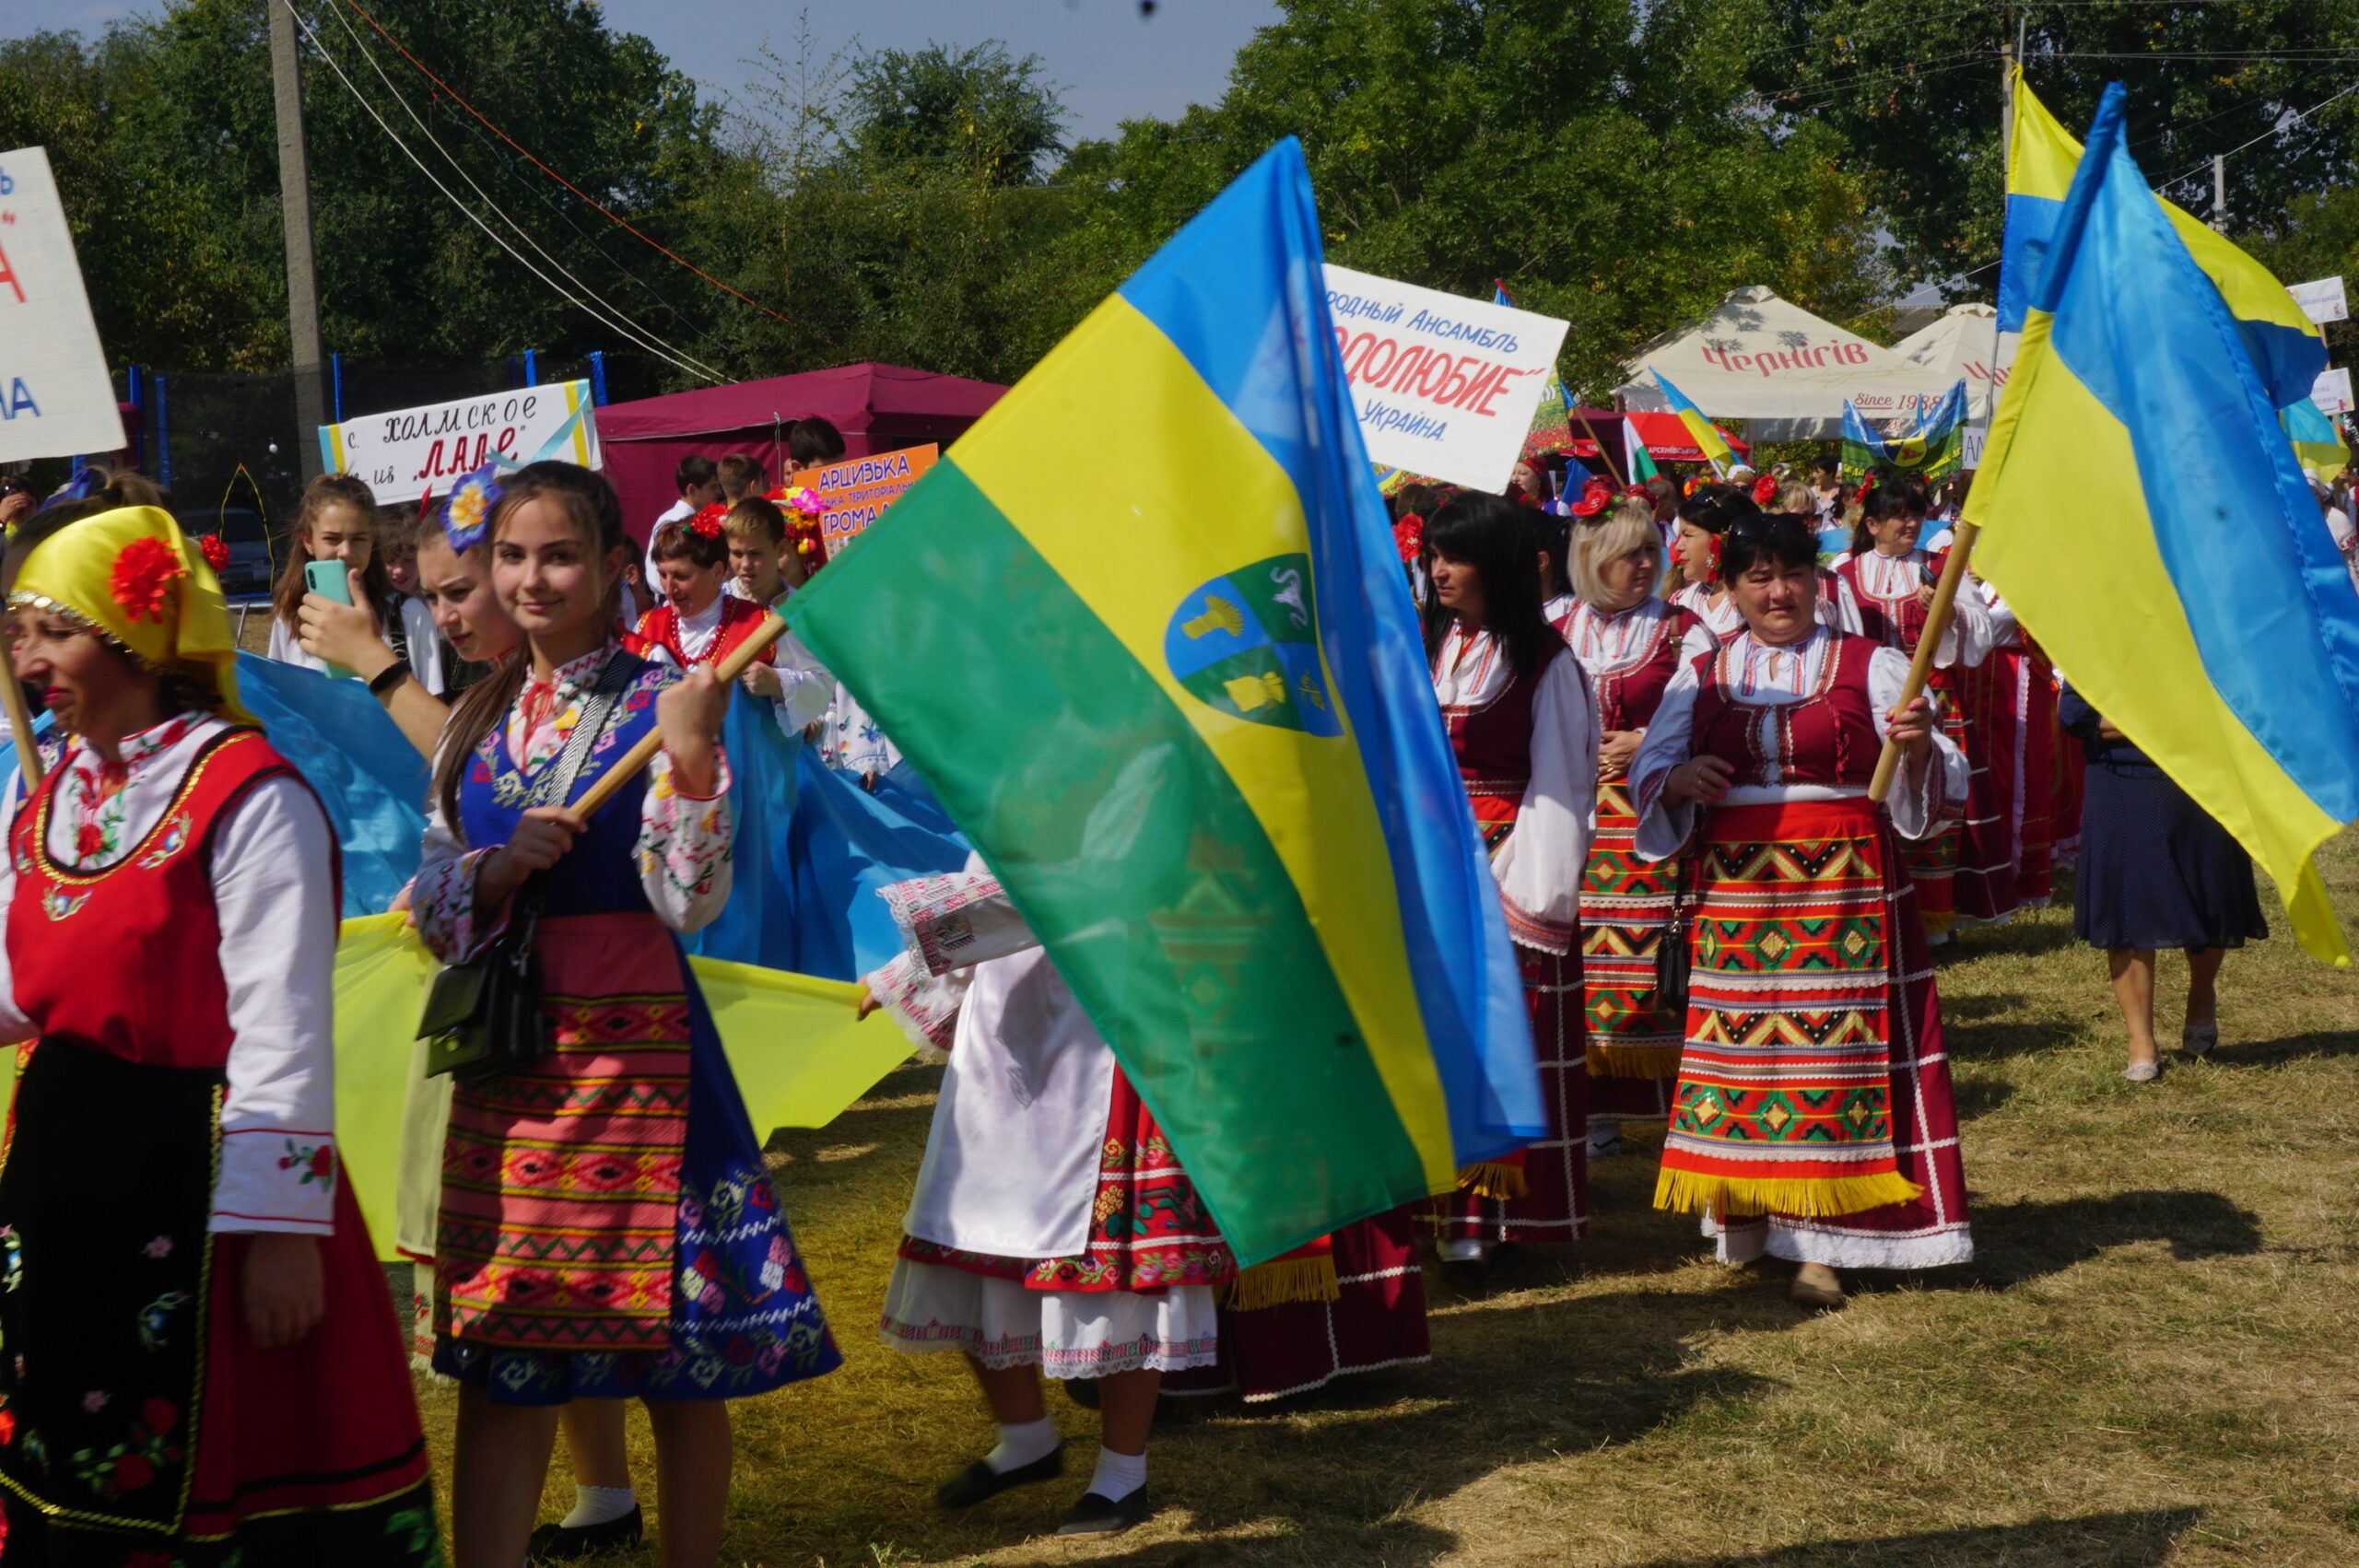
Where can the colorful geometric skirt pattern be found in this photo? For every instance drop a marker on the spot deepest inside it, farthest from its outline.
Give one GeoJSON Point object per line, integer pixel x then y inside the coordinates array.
{"type": "Point", "coordinates": [1627, 907]}
{"type": "Point", "coordinates": [608, 1226]}
{"type": "Point", "coordinates": [1148, 1228]}
{"type": "Point", "coordinates": [1540, 1192]}
{"type": "Point", "coordinates": [1815, 1089]}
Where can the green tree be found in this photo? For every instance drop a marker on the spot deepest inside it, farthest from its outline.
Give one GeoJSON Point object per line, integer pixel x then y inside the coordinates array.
{"type": "Point", "coordinates": [1914, 94]}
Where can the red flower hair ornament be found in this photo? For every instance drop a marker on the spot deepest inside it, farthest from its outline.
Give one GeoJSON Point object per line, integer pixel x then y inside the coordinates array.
{"type": "Point", "coordinates": [708, 519]}
{"type": "Point", "coordinates": [214, 549]}
{"type": "Point", "coordinates": [1409, 536]}
{"type": "Point", "coordinates": [142, 580]}
{"type": "Point", "coordinates": [1765, 489]}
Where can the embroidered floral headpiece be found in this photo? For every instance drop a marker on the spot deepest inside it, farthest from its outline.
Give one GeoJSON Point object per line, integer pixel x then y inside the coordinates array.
{"type": "Point", "coordinates": [468, 513]}
{"type": "Point", "coordinates": [1637, 493]}
{"type": "Point", "coordinates": [708, 519]}
{"type": "Point", "coordinates": [131, 575]}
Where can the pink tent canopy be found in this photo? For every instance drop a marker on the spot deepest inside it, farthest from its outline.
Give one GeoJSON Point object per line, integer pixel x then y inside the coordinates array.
{"type": "Point", "coordinates": [878, 407]}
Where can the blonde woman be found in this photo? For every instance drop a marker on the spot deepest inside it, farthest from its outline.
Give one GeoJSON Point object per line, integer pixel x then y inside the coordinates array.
{"type": "Point", "coordinates": [1631, 643]}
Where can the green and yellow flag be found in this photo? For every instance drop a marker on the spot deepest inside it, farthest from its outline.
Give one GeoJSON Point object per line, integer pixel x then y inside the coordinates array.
{"type": "Point", "coordinates": [1180, 704]}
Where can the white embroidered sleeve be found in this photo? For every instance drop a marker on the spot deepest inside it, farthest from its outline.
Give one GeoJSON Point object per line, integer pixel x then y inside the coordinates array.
{"type": "Point", "coordinates": [1926, 798]}
{"type": "Point", "coordinates": [925, 1006]}
{"type": "Point", "coordinates": [1840, 607]}
{"type": "Point", "coordinates": [442, 896]}
{"type": "Point", "coordinates": [685, 846]}
{"type": "Point", "coordinates": [276, 904]}
{"type": "Point", "coordinates": [1664, 826]}
{"type": "Point", "coordinates": [1541, 866]}
{"type": "Point", "coordinates": [807, 690]}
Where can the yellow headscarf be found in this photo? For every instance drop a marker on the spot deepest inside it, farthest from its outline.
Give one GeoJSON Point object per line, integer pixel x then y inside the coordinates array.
{"type": "Point", "coordinates": [133, 574]}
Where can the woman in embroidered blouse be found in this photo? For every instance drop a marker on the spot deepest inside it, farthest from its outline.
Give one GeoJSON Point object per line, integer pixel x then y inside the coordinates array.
{"type": "Point", "coordinates": [1704, 517]}
{"type": "Point", "coordinates": [696, 623]}
{"type": "Point", "coordinates": [1631, 643]}
{"type": "Point", "coordinates": [1812, 1116]}
{"type": "Point", "coordinates": [1525, 730]}
{"type": "Point", "coordinates": [202, 1368]}
{"type": "Point", "coordinates": [679, 1284]}
{"type": "Point", "coordinates": [1893, 582]}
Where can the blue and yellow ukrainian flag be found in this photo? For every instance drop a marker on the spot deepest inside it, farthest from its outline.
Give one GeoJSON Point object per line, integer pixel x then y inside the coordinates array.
{"type": "Point", "coordinates": [2286, 347]}
{"type": "Point", "coordinates": [1709, 438]}
{"type": "Point", "coordinates": [2200, 605]}
{"type": "Point", "coordinates": [2317, 446]}
{"type": "Point", "coordinates": [1180, 706]}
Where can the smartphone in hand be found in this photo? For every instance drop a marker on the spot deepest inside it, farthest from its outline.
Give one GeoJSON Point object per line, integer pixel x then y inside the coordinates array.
{"type": "Point", "coordinates": [330, 579]}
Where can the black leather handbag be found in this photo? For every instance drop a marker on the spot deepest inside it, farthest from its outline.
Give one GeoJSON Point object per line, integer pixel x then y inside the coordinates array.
{"type": "Point", "coordinates": [483, 1016]}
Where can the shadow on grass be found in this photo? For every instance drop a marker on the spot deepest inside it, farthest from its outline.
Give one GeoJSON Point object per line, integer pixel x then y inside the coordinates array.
{"type": "Point", "coordinates": [1995, 1026]}
{"type": "Point", "coordinates": [2143, 1539]}
{"type": "Point", "coordinates": [2269, 1053]}
{"type": "Point", "coordinates": [1976, 1097]}
{"type": "Point", "coordinates": [2016, 1243]}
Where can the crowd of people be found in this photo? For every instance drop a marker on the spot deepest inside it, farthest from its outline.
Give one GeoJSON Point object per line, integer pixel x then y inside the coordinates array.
{"type": "Point", "coordinates": [1666, 707]}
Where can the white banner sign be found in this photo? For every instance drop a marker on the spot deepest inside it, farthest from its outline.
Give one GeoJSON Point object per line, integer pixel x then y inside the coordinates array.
{"type": "Point", "coordinates": [1976, 435]}
{"type": "Point", "coordinates": [1445, 387]}
{"type": "Point", "coordinates": [56, 399]}
{"type": "Point", "coordinates": [2322, 301]}
{"type": "Point", "coordinates": [2331, 392]}
{"type": "Point", "coordinates": [402, 455]}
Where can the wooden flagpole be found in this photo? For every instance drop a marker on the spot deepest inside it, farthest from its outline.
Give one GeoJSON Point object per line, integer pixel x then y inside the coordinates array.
{"type": "Point", "coordinates": [741, 658]}
{"type": "Point", "coordinates": [1920, 669]}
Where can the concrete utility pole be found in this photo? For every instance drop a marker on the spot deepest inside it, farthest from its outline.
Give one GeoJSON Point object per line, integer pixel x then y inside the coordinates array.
{"type": "Point", "coordinates": [295, 205]}
{"type": "Point", "coordinates": [2220, 194]}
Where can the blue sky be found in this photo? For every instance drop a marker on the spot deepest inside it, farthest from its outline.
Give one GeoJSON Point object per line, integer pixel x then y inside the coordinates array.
{"type": "Point", "coordinates": [1113, 63]}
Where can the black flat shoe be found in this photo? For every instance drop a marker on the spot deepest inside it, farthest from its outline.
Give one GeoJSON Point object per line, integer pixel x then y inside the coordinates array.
{"type": "Point", "coordinates": [564, 1543]}
{"type": "Point", "coordinates": [1097, 1515]}
{"type": "Point", "coordinates": [979, 1480]}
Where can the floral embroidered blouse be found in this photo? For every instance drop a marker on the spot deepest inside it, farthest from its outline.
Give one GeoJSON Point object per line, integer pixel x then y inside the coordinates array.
{"type": "Point", "coordinates": [276, 902]}
{"type": "Point", "coordinates": [684, 844]}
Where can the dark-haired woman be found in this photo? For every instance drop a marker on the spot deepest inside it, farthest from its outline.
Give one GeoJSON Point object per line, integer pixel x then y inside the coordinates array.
{"type": "Point", "coordinates": [1524, 726]}
{"type": "Point", "coordinates": [203, 1365]}
{"type": "Point", "coordinates": [1704, 518]}
{"type": "Point", "coordinates": [675, 1282]}
{"type": "Point", "coordinates": [1893, 582]}
{"type": "Point", "coordinates": [1812, 1116]}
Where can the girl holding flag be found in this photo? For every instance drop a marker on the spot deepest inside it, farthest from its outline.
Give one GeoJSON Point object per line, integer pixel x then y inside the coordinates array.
{"type": "Point", "coordinates": [1812, 1117]}
{"type": "Point", "coordinates": [677, 1283]}
{"type": "Point", "coordinates": [1525, 730]}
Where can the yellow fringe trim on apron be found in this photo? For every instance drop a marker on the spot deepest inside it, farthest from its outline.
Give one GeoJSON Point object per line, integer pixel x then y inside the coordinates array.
{"type": "Point", "coordinates": [1501, 1184]}
{"type": "Point", "coordinates": [1284, 1280]}
{"type": "Point", "coordinates": [1632, 1062]}
{"type": "Point", "coordinates": [1691, 1192]}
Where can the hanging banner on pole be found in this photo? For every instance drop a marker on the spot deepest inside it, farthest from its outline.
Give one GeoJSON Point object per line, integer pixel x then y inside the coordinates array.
{"type": "Point", "coordinates": [403, 454]}
{"type": "Point", "coordinates": [2321, 300]}
{"type": "Point", "coordinates": [56, 399]}
{"type": "Point", "coordinates": [2331, 392]}
{"type": "Point", "coordinates": [1444, 386]}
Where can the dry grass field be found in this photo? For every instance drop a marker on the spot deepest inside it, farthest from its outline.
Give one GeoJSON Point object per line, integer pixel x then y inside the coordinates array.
{"type": "Point", "coordinates": [2150, 1361]}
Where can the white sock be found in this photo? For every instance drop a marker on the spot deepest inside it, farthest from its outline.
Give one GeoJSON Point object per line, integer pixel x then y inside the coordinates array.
{"type": "Point", "coordinates": [1021, 1444]}
{"type": "Point", "coordinates": [1118, 1475]}
{"type": "Point", "coordinates": [1461, 1249]}
{"type": "Point", "coordinates": [599, 1506]}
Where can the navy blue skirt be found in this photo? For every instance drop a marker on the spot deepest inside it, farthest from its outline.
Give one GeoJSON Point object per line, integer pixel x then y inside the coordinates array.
{"type": "Point", "coordinates": [2158, 871]}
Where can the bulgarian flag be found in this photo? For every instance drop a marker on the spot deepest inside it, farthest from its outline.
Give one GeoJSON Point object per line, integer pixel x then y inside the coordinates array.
{"type": "Point", "coordinates": [1197, 743]}
{"type": "Point", "coordinates": [1709, 438]}
{"type": "Point", "coordinates": [1638, 463]}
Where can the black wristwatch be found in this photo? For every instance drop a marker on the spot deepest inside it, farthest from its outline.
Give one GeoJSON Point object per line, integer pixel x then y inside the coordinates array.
{"type": "Point", "coordinates": [388, 678]}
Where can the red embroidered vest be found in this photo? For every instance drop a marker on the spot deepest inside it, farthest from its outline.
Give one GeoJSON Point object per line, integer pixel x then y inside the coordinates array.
{"type": "Point", "coordinates": [659, 628]}
{"type": "Point", "coordinates": [1830, 736]}
{"type": "Point", "coordinates": [1627, 698]}
{"type": "Point", "coordinates": [1895, 623]}
{"type": "Point", "coordinates": [1493, 744]}
{"type": "Point", "coordinates": [126, 959]}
